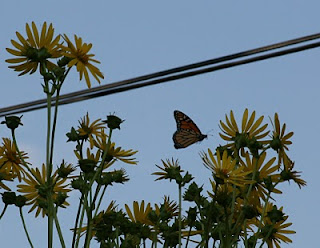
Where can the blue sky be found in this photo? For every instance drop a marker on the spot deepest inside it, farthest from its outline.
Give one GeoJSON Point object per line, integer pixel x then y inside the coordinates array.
{"type": "Point", "coordinates": [132, 38]}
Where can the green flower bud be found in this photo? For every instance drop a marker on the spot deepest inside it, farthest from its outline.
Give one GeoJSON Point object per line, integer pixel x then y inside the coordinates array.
{"type": "Point", "coordinates": [153, 217]}
{"type": "Point", "coordinates": [64, 171]}
{"type": "Point", "coordinates": [61, 198]}
{"type": "Point", "coordinates": [192, 193]}
{"type": "Point", "coordinates": [32, 54]}
{"type": "Point", "coordinates": [12, 122]}
{"type": "Point", "coordinates": [106, 179]}
{"type": "Point", "coordinates": [186, 179]}
{"type": "Point", "coordinates": [119, 176]}
{"type": "Point", "coordinates": [250, 212]}
{"type": "Point", "coordinates": [79, 184]}
{"type": "Point", "coordinates": [241, 140]}
{"type": "Point", "coordinates": [58, 72]}
{"type": "Point", "coordinates": [192, 215]}
{"type": "Point", "coordinates": [47, 76]}
{"type": "Point", "coordinates": [9, 198]}
{"type": "Point", "coordinates": [223, 198]}
{"type": "Point", "coordinates": [87, 165]}
{"type": "Point", "coordinates": [254, 147]}
{"type": "Point", "coordinates": [42, 203]}
{"type": "Point", "coordinates": [20, 201]}
{"type": "Point", "coordinates": [275, 143]}
{"type": "Point", "coordinates": [73, 135]}
{"type": "Point", "coordinates": [64, 61]}
{"type": "Point", "coordinates": [286, 175]}
{"type": "Point", "coordinates": [269, 184]}
{"type": "Point", "coordinates": [275, 215]}
{"type": "Point", "coordinates": [42, 190]}
{"type": "Point", "coordinates": [113, 121]}
{"type": "Point", "coordinates": [43, 54]}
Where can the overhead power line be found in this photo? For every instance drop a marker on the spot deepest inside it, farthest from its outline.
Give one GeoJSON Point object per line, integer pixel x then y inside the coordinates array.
{"type": "Point", "coordinates": [267, 52]}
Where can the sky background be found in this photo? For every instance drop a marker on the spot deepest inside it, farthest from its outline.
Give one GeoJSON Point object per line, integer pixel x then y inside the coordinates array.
{"type": "Point", "coordinates": [133, 38]}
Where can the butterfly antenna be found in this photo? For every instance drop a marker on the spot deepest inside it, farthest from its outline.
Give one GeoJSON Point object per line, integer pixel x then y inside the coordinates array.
{"type": "Point", "coordinates": [209, 133]}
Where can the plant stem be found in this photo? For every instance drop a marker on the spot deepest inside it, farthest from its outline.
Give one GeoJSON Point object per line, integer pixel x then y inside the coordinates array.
{"type": "Point", "coordinates": [100, 200]}
{"type": "Point", "coordinates": [54, 125]}
{"type": "Point", "coordinates": [87, 207]}
{"type": "Point", "coordinates": [97, 174]}
{"type": "Point", "coordinates": [63, 245]}
{"type": "Point", "coordinates": [20, 156]}
{"type": "Point", "coordinates": [180, 210]}
{"type": "Point", "coordinates": [3, 211]}
{"type": "Point", "coordinates": [76, 223]}
{"type": "Point", "coordinates": [188, 235]}
{"type": "Point", "coordinates": [80, 223]}
{"type": "Point", "coordinates": [25, 227]}
{"type": "Point", "coordinates": [49, 170]}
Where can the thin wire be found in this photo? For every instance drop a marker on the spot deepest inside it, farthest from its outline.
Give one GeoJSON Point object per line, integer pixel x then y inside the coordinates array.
{"type": "Point", "coordinates": [158, 77]}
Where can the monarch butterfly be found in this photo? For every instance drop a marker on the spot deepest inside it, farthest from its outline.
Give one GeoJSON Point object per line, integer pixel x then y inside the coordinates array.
{"type": "Point", "coordinates": [187, 131]}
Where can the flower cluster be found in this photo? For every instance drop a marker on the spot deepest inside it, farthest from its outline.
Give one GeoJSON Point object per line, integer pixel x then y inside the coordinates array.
{"type": "Point", "coordinates": [38, 50]}
{"type": "Point", "coordinates": [245, 171]}
{"type": "Point", "coordinates": [245, 174]}
{"type": "Point", "coordinates": [244, 180]}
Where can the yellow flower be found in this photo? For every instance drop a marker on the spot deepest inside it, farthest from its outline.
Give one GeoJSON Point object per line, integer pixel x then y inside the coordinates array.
{"type": "Point", "coordinates": [4, 176]}
{"type": "Point", "coordinates": [36, 189]}
{"type": "Point", "coordinates": [274, 232]}
{"type": "Point", "coordinates": [219, 189]}
{"type": "Point", "coordinates": [115, 152]}
{"type": "Point", "coordinates": [171, 206]}
{"type": "Point", "coordinates": [98, 219]}
{"type": "Point", "coordinates": [279, 232]}
{"type": "Point", "coordinates": [89, 130]}
{"type": "Point", "coordinates": [289, 174]}
{"type": "Point", "coordinates": [280, 140]}
{"type": "Point", "coordinates": [139, 213]}
{"type": "Point", "coordinates": [10, 162]}
{"type": "Point", "coordinates": [94, 157]}
{"type": "Point", "coordinates": [225, 169]}
{"type": "Point", "coordinates": [122, 155]}
{"type": "Point", "coordinates": [263, 171]}
{"type": "Point", "coordinates": [79, 56]}
{"type": "Point", "coordinates": [249, 129]}
{"type": "Point", "coordinates": [167, 166]}
{"type": "Point", "coordinates": [34, 50]}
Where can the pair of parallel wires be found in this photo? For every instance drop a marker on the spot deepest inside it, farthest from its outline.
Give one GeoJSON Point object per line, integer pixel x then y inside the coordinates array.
{"type": "Point", "coordinates": [236, 59]}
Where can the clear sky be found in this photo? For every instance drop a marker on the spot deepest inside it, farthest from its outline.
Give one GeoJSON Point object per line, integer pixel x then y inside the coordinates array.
{"type": "Point", "coordinates": [132, 38]}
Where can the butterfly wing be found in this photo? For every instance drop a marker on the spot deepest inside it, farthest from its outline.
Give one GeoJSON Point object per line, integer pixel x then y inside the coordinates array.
{"type": "Point", "coordinates": [184, 122]}
{"type": "Point", "coordinates": [187, 131]}
{"type": "Point", "coordinates": [184, 138]}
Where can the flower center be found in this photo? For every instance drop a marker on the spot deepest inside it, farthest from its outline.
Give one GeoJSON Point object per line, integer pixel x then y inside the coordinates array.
{"type": "Point", "coordinates": [82, 57]}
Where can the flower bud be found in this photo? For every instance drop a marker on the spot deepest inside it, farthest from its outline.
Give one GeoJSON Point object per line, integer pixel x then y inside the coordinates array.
{"type": "Point", "coordinates": [113, 121]}
{"type": "Point", "coordinates": [275, 215]}
{"type": "Point", "coordinates": [12, 122]}
{"type": "Point", "coordinates": [9, 198]}
{"type": "Point", "coordinates": [64, 61]}
{"type": "Point", "coordinates": [87, 165]}
{"type": "Point", "coordinates": [65, 170]}
{"type": "Point", "coordinates": [275, 143]}
{"type": "Point", "coordinates": [20, 201]}
{"type": "Point", "coordinates": [73, 135]}
{"type": "Point", "coordinates": [61, 198]}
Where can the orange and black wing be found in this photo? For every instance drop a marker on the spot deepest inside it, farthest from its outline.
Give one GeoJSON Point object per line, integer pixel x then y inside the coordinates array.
{"type": "Point", "coordinates": [184, 122]}
{"type": "Point", "coordinates": [187, 131]}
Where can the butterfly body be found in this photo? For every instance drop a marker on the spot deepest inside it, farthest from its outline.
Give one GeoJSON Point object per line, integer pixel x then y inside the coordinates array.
{"type": "Point", "coordinates": [187, 131]}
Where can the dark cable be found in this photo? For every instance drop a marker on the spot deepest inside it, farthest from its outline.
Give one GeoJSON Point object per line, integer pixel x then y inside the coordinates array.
{"type": "Point", "coordinates": [133, 82]}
